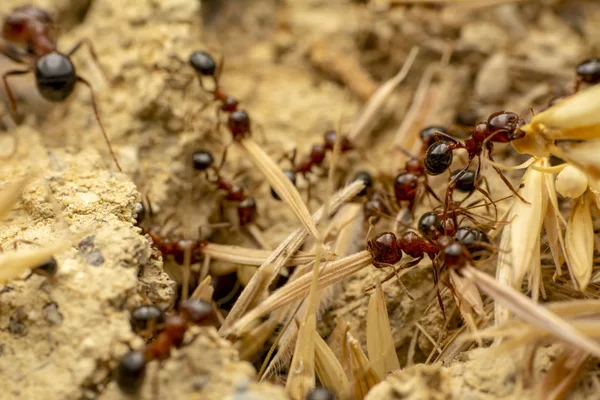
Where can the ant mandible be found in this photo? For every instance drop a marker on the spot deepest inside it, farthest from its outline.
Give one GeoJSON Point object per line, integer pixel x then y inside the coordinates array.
{"type": "Point", "coordinates": [131, 370]}
{"type": "Point", "coordinates": [55, 74]}
{"type": "Point", "coordinates": [501, 127]}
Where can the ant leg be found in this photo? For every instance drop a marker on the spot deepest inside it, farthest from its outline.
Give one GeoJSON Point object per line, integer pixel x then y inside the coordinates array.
{"type": "Point", "coordinates": [451, 185]}
{"type": "Point", "coordinates": [430, 191]}
{"type": "Point", "coordinates": [509, 185]}
{"type": "Point", "coordinates": [437, 289]}
{"type": "Point", "coordinates": [97, 114]}
{"type": "Point", "coordinates": [577, 85]}
{"type": "Point", "coordinates": [441, 135]}
{"type": "Point", "coordinates": [217, 75]}
{"type": "Point", "coordinates": [9, 93]}
{"type": "Point", "coordinates": [90, 46]}
{"type": "Point", "coordinates": [486, 194]}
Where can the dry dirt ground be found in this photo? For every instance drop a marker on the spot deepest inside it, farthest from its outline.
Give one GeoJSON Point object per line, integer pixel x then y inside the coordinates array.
{"type": "Point", "coordinates": [299, 67]}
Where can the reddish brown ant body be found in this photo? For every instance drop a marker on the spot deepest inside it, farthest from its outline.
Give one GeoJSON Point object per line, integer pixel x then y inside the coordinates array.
{"type": "Point", "coordinates": [501, 127]}
{"type": "Point", "coordinates": [246, 206]}
{"type": "Point", "coordinates": [131, 370]}
{"type": "Point", "coordinates": [30, 38]}
{"type": "Point", "coordinates": [176, 247]}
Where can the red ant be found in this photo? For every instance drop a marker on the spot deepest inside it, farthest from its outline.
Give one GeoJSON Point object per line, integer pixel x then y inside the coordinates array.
{"type": "Point", "coordinates": [131, 370]}
{"type": "Point", "coordinates": [408, 182]}
{"type": "Point", "coordinates": [238, 121]}
{"type": "Point", "coordinates": [55, 74]}
{"type": "Point", "coordinates": [444, 250]}
{"type": "Point", "coordinates": [501, 127]}
{"type": "Point", "coordinates": [246, 206]}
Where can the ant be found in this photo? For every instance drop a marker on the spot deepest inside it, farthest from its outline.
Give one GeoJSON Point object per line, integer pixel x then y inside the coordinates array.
{"type": "Point", "coordinates": [501, 127]}
{"type": "Point", "coordinates": [203, 160]}
{"type": "Point", "coordinates": [238, 121]}
{"type": "Point", "coordinates": [407, 183]}
{"type": "Point", "coordinates": [145, 320]}
{"type": "Point", "coordinates": [131, 370]}
{"type": "Point", "coordinates": [443, 249]}
{"type": "Point", "coordinates": [588, 71]}
{"type": "Point", "coordinates": [55, 74]}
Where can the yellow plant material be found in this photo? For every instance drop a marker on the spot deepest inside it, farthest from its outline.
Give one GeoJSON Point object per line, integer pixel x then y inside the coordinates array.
{"type": "Point", "coordinates": [363, 375]}
{"type": "Point", "coordinates": [579, 242]}
{"type": "Point", "coordinates": [330, 371]}
{"type": "Point", "coordinates": [380, 343]}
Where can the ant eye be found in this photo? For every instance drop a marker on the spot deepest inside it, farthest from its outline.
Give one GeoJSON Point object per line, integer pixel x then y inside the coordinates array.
{"type": "Point", "coordinates": [438, 158]}
{"type": "Point", "coordinates": [291, 175]}
{"type": "Point", "coordinates": [203, 63]}
{"type": "Point", "coordinates": [405, 186]}
{"type": "Point", "coordinates": [319, 394]}
{"type": "Point", "coordinates": [430, 225]}
{"type": "Point", "coordinates": [589, 70]}
{"type": "Point", "coordinates": [55, 76]}
{"type": "Point", "coordinates": [131, 372]}
{"type": "Point", "coordinates": [366, 178]}
{"type": "Point", "coordinates": [466, 182]}
{"type": "Point", "coordinates": [202, 160]}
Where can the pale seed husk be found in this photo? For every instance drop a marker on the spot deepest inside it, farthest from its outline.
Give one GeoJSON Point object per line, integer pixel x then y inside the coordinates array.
{"type": "Point", "coordinates": [579, 242]}
{"type": "Point", "coordinates": [330, 371]}
{"type": "Point", "coordinates": [10, 194]}
{"type": "Point", "coordinates": [363, 375]}
{"type": "Point", "coordinates": [380, 343]}
{"type": "Point", "coordinates": [13, 264]}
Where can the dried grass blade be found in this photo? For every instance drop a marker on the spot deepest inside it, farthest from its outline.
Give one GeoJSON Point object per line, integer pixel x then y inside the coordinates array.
{"type": "Point", "coordinates": [204, 291]}
{"type": "Point", "coordinates": [254, 341]}
{"type": "Point", "coordinates": [575, 308]}
{"type": "Point", "coordinates": [380, 343]}
{"type": "Point", "coordinates": [330, 371]}
{"type": "Point", "coordinates": [330, 273]}
{"type": "Point", "coordinates": [363, 376]}
{"type": "Point", "coordinates": [283, 252]}
{"type": "Point", "coordinates": [368, 116]}
{"type": "Point", "coordinates": [579, 242]}
{"type": "Point", "coordinates": [536, 315]}
{"type": "Point", "coordinates": [253, 257]}
{"type": "Point", "coordinates": [503, 273]}
{"type": "Point", "coordinates": [15, 263]}
{"type": "Point", "coordinates": [563, 375]}
{"type": "Point", "coordinates": [280, 184]}
{"type": "Point", "coordinates": [10, 194]}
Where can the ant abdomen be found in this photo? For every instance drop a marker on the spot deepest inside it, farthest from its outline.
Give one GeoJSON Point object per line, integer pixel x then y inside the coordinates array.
{"type": "Point", "coordinates": [198, 312]}
{"type": "Point", "coordinates": [588, 71]}
{"type": "Point", "coordinates": [438, 158]}
{"type": "Point", "coordinates": [55, 76]}
{"type": "Point", "coordinates": [366, 178]}
{"type": "Point", "coordinates": [473, 239]}
{"type": "Point", "coordinates": [145, 318]}
{"type": "Point", "coordinates": [430, 225]}
{"type": "Point", "coordinates": [131, 372]}
{"type": "Point", "coordinates": [384, 249]}
{"type": "Point", "coordinates": [202, 160]}
{"type": "Point", "coordinates": [466, 182]}
{"type": "Point", "coordinates": [203, 63]}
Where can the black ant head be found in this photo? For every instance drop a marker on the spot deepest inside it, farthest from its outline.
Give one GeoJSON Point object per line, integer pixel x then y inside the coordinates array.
{"type": "Point", "coordinates": [203, 63]}
{"type": "Point", "coordinates": [291, 175]}
{"type": "Point", "coordinates": [438, 158]}
{"type": "Point", "coordinates": [430, 225]}
{"type": "Point", "coordinates": [366, 178]}
{"type": "Point", "coordinates": [48, 269]}
{"type": "Point", "coordinates": [143, 318]}
{"type": "Point", "coordinates": [55, 76]}
{"type": "Point", "coordinates": [589, 70]}
{"type": "Point", "coordinates": [202, 160]}
{"type": "Point", "coordinates": [405, 186]}
{"type": "Point", "coordinates": [384, 249]}
{"type": "Point", "coordinates": [466, 182]}
{"type": "Point", "coordinates": [319, 394]}
{"type": "Point", "coordinates": [454, 254]}
{"type": "Point", "coordinates": [131, 372]}
{"type": "Point", "coordinates": [473, 239]}
{"type": "Point", "coordinates": [428, 134]}
{"type": "Point", "coordinates": [198, 312]}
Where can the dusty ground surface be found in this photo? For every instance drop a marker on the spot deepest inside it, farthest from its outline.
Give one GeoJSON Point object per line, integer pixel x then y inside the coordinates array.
{"type": "Point", "coordinates": [299, 68]}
